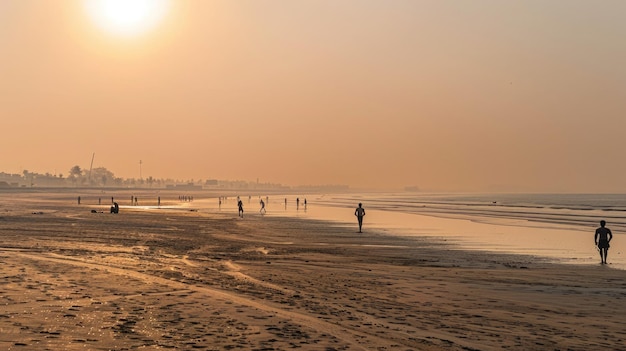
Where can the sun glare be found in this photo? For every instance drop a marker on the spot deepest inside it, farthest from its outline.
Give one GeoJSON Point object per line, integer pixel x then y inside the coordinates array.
{"type": "Point", "coordinates": [127, 17]}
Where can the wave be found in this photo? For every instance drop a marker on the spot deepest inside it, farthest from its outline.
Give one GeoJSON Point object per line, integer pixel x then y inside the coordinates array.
{"type": "Point", "coordinates": [579, 210]}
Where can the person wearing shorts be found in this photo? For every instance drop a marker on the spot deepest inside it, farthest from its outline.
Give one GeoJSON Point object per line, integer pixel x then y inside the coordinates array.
{"type": "Point", "coordinates": [602, 239]}
{"type": "Point", "coordinates": [360, 213]}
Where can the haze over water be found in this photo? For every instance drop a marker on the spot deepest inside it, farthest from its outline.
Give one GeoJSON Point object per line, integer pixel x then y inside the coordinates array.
{"type": "Point", "coordinates": [486, 95]}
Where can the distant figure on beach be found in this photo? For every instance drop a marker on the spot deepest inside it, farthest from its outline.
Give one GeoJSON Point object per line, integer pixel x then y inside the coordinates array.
{"type": "Point", "coordinates": [262, 210]}
{"type": "Point", "coordinates": [115, 208]}
{"type": "Point", "coordinates": [360, 213]}
{"type": "Point", "coordinates": [240, 204]}
{"type": "Point", "coordinates": [297, 203]}
{"type": "Point", "coordinates": [305, 203]}
{"type": "Point", "coordinates": [603, 238]}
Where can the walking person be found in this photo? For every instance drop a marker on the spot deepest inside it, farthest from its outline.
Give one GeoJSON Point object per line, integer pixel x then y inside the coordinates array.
{"type": "Point", "coordinates": [240, 204]}
{"type": "Point", "coordinates": [262, 210]}
{"type": "Point", "coordinates": [602, 239]}
{"type": "Point", "coordinates": [360, 213]}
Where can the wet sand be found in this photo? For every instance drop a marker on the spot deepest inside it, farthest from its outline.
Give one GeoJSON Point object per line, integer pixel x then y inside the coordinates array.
{"type": "Point", "coordinates": [157, 279]}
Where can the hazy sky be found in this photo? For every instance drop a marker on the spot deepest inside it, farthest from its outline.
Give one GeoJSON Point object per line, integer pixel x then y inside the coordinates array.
{"type": "Point", "coordinates": [444, 95]}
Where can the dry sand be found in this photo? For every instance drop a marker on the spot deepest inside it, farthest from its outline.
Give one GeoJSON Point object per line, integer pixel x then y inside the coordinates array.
{"type": "Point", "coordinates": [182, 280]}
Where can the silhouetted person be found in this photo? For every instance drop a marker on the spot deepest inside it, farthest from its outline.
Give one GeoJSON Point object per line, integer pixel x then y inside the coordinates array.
{"type": "Point", "coordinates": [305, 203]}
{"type": "Point", "coordinates": [79, 200]}
{"type": "Point", "coordinates": [240, 204]}
{"type": "Point", "coordinates": [603, 238]}
{"type": "Point", "coordinates": [115, 208]}
{"type": "Point", "coordinates": [297, 203]}
{"type": "Point", "coordinates": [360, 213]}
{"type": "Point", "coordinates": [262, 210]}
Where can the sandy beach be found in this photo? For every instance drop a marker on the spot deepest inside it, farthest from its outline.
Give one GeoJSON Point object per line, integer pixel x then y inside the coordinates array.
{"type": "Point", "coordinates": [158, 279]}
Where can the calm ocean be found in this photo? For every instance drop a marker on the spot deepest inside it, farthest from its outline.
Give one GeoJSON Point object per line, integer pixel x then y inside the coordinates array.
{"type": "Point", "coordinates": [569, 209]}
{"type": "Point", "coordinates": [559, 226]}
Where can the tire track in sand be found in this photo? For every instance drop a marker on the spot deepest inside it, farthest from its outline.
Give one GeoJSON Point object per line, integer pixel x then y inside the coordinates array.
{"type": "Point", "coordinates": [353, 337]}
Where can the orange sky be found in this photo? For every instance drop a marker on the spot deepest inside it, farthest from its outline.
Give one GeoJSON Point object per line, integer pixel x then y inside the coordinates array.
{"type": "Point", "coordinates": [445, 95]}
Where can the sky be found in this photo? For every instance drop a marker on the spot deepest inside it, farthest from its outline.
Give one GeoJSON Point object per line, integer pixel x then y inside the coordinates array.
{"type": "Point", "coordinates": [479, 96]}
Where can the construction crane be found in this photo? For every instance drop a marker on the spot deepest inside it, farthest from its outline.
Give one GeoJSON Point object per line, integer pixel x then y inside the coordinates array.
{"type": "Point", "coordinates": [91, 167]}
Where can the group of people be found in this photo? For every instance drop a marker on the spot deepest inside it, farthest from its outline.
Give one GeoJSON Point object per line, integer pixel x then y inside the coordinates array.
{"type": "Point", "coordinates": [602, 238]}
{"type": "Point", "coordinates": [240, 206]}
{"type": "Point", "coordinates": [262, 210]}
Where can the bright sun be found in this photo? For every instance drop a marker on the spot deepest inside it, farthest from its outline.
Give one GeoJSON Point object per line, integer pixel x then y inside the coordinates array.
{"type": "Point", "coordinates": [127, 17]}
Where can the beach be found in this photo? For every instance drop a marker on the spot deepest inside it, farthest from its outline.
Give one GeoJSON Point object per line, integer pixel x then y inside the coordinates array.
{"type": "Point", "coordinates": [183, 278]}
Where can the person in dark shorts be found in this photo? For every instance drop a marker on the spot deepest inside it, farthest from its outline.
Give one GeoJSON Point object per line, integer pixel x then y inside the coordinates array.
{"type": "Point", "coordinates": [603, 238]}
{"type": "Point", "coordinates": [240, 204]}
{"type": "Point", "coordinates": [360, 213]}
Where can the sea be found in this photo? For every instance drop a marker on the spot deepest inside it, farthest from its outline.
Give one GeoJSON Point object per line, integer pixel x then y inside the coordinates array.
{"type": "Point", "coordinates": [558, 227]}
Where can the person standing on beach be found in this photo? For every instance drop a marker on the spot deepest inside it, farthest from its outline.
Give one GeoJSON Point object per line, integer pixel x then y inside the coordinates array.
{"type": "Point", "coordinates": [603, 238]}
{"type": "Point", "coordinates": [360, 213]}
{"type": "Point", "coordinates": [240, 204]}
{"type": "Point", "coordinates": [262, 210]}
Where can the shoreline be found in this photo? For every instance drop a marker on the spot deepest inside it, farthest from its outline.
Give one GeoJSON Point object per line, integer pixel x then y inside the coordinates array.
{"type": "Point", "coordinates": [566, 242]}
{"type": "Point", "coordinates": [76, 280]}
{"type": "Point", "coordinates": [562, 242]}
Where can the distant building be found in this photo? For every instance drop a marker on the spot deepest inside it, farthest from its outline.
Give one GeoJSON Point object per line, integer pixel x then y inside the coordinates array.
{"type": "Point", "coordinates": [13, 180]}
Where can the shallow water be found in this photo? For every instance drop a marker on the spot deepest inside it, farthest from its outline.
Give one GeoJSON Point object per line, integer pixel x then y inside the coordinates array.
{"type": "Point", "coordinates": [560, 227]}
